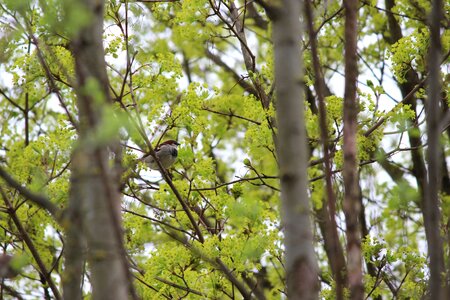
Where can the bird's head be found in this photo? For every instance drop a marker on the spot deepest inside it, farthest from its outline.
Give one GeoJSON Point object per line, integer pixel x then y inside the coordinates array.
{"type": "Point", "coordinates": [169, 142]}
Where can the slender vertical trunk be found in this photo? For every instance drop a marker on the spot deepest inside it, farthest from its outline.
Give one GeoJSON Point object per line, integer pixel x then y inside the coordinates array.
{"type": "Point", "coordinates": [432, 188]}
{"type": "Point", "coordinates": [301, 265]}
{"type": "Point", "coordinates": [26, 110]}
{"type": "Point", "coordinates": [352, 205]}
{"type": "Point", "coordinates": [334, 249]}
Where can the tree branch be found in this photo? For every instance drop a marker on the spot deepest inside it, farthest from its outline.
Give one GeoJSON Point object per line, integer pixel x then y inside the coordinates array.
{"type": "Point", "coordinates": [43, 269]}
{"type": "Point", "coordinates": [39, 200]}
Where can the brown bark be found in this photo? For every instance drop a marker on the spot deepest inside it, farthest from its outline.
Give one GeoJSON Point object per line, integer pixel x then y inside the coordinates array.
{"type": "Point", "coordinates": [301, 265]}
{"type": "Point", "coordinates": [351, 204]}
{"type": "Point", "coordinates": [333, 246]}
{"type": "Point", "coordinates": [432, 216]}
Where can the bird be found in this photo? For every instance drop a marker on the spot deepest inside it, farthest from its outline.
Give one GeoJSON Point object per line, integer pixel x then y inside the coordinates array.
{"type": "Point", "coordinates": [166, 153]}
{"type": "Point", "coordinates": [7, 268]}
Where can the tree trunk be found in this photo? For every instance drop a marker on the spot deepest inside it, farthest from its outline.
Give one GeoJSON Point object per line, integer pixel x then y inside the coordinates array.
{"type": "Point", "coordinates": [95, 201]}
{"type": "Point", "coordinates": [301, 265]}
{"type": "Point", "coordinates": [328, 224]}
{"type": "Point", "coordinates": [352, 204]}
{"type": "Point", "coordinates": [431, 196]}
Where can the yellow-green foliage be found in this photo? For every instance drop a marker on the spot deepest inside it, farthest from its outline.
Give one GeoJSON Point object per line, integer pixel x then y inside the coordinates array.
{"type": "Point", "coordinates": [226, 171]}
{"type": "Point", "coordinates": [409, 52]}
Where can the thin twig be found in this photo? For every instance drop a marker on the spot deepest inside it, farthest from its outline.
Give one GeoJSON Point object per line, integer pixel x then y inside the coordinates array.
{"type": "Point", "coordinates": [39, 200]}
{"type": "Point", "coordinates": [43, 269]}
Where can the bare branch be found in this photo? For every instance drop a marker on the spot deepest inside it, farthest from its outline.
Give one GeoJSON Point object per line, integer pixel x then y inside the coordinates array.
{"type": "Point", "coordinates": [336, 253]}
{"type": "Point", "coordinates": [23, 233]}
{"type": "Point", "coordinates": [39, 200]}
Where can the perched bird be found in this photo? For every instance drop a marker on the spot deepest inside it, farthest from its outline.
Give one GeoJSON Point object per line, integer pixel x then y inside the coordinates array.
{"type": "Point", "coordinates": [7, 270]}
{"type": "Point", "coordinates": [166, 153]}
